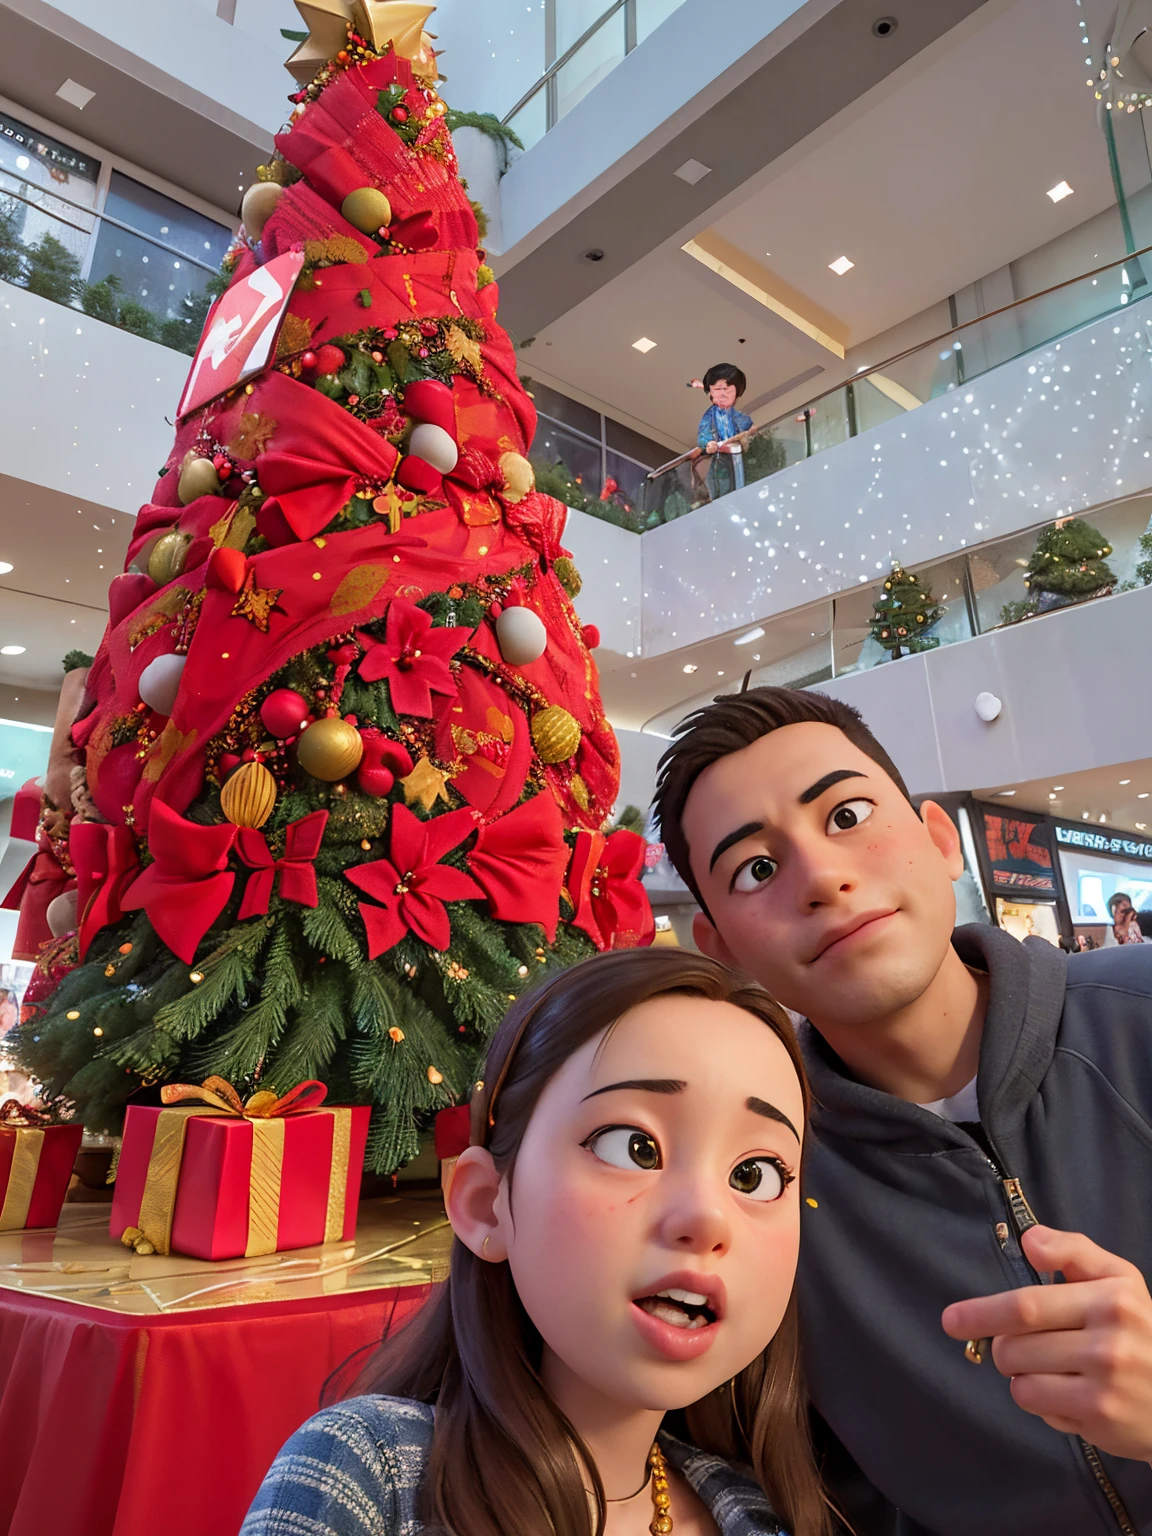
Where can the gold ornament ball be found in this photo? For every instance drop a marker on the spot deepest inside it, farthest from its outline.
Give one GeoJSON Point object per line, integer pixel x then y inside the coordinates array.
{"type": "Point", "coordinates": [198, 478]}
{"type": "Point", "coordinates": [249, 795]}
{"type": "Point", "coordinates": [166, 557]}
{"type": "Point", "coordinates": [519, 477]}
{"type": "Point", "coordinates": [258, 207]}
{"type": "Point", "coordinates": [330, 749]}
{"type": "Point", "coordinates": [568, 576]}
{"type": "Point", "coordinates": [367, 209]}
{"type": "Point", "coordinates": [555, 734]}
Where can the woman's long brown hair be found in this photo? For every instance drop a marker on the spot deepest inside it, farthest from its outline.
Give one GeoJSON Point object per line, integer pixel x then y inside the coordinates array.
{"type": "Point", "coordinates": [504, 1460]}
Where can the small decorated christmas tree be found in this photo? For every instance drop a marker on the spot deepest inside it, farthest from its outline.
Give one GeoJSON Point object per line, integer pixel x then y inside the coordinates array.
{"type": "Point", "coordinates": [1069, 562]}
{"type": "Point", "coordinates": [345, 766]}
{"type": "Point", "coordinates": [903, 614]}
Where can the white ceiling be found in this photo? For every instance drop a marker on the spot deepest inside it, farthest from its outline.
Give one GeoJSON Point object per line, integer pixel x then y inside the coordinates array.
{"type": "Point", "coordinates": [63, 553]}
{"type": "Point", "coordinates": [1098, 796]}
{"type": "Point", "coordinates": [931, 181]}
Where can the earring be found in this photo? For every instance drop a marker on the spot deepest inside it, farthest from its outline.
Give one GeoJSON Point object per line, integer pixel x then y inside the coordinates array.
{"type": "Point", "coordinates": [484, 1246]}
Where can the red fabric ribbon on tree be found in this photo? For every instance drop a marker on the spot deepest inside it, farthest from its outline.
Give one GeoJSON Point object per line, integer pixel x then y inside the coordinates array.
{"type": "Point", "coordinates": [106, 862]}
{"type": "Point", "coordinates": [604, 883]}
{"type": "Point", "coordinates": [297, 876]}
{"type": "Point", "coordinates": [318, 456]}
{"type": "Point", "coordinates": [520, 859]}
{"type": "Point", "coordinates": [412, 885]}
{"type": "Point", "coordinates": [187, 887]}
{"type": "Point", "coordinates": [413, 656]}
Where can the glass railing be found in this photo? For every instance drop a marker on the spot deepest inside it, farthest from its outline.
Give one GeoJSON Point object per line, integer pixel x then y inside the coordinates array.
{"type": "Point", "coordinates": [1005, 582]}
{"type": "Point", "coordinates": [892, 388]}
{"type": "Point", "coordinates": [111, 269]}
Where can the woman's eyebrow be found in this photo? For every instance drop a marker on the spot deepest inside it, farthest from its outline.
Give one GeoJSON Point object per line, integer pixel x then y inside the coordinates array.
{"type": "Point", "coordinates": [645, 1084]}
{"type": "Point", "coordinates": [770, 1112]}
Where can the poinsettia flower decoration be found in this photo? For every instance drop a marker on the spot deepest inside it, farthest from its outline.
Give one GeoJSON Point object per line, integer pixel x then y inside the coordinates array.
{"type": "Point", "coordinates": [604, 884]}
{"type": "Point", "coordinates": [413, 656]}
{"type": "Point", "coordinates": [412, 885]}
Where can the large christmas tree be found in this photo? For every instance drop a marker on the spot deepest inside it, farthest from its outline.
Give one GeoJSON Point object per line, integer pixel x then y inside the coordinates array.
{"type": "Point", "coordinates": [346, 765]}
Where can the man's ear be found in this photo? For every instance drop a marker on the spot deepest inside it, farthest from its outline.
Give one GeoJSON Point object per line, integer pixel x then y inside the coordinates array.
{"type": "Point", "coordinates": [942, 830]}
{"type": "Point", "coordinates": [472, 1205]}
{"type": "Point", "coordinates": [708, 941]}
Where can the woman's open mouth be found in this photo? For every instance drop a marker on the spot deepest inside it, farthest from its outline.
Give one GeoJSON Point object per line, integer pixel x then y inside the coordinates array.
{"type": "Point", "coordinates": [679, 1309]}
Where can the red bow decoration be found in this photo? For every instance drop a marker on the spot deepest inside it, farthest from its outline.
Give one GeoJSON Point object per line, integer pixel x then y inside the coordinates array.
{"type": "Point", "coordinates": [412, 885]}
{"type": "Point", "coordinates": [13, 1113]}
{"type": "Point", "coordinates": [520, 860]}
{"type": "Point", "coordinates": [603, 881]}
{"type": "Point", "coordinates": [413, 656]}
{"type": "Point", "coordinates": [261, 1105]}
{"type": "Point", "coordinates": [318, 457]}
{"type": "Point", "coordinates": [105, 861]}
{"type": "Point", "coordinates": [297, 876]}
{"type": "Point", "coordinates": [187, 887]}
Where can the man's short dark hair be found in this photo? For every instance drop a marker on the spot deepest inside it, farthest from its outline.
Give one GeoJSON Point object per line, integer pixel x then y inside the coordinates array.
{"type": "Point", "coordinates": [726, 373]}
{"type": "Point", "coordinates": [734, 721]}
{"type": "Point", "coordinates": [1116, 898]}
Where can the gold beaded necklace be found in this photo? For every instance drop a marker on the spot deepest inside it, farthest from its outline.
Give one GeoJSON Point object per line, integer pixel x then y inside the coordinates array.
{"type": "Point", "coordinates": [661, 1498]}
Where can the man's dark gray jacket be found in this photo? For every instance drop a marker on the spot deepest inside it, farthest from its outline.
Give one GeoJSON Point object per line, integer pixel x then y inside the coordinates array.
{"type": "Point", "coordinates": [910, 1215]}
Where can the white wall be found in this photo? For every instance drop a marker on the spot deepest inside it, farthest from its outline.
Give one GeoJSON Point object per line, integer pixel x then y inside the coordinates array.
{"type": "Point", "coordinates": [83, 403]}
{"type": "Point", "coordinates": [608, 559]}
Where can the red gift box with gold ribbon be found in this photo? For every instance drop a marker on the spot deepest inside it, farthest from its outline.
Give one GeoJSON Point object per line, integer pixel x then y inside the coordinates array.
{"type": "Point", "coordinates": [35, 1165]}
{"type": "Point", "coordinates": [222, 1178]}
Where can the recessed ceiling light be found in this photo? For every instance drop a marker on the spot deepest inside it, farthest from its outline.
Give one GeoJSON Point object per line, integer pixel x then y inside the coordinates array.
{"type": "Point", "coordinates": [75, 95]}
{"type": "Point", "coordinates": [645, 344]}
{"type": "Point", "coordinates": [5, 567]}
{"type": "Point", "coordinates": [12, 650]}
{"type": "Point", "coordinates": [1103, 817]}
{"type": "Point", "coordinates": [1005, 791]}
{"type": "Point", "coordinates": [753, 634]}
{"type": "Point", "coordinates": [1057, 786]}
{"type": "Point", "coordinates": [692, 171]}
{"type": "Point", "coordinates": [1142, 796]}
{"type": "Point", "coordinates": [841, 265]}
{"type": "Point", "coordinates": [690, 667]}
{"type": "Point", "coordinates": [1060, 191]}
{"type": "Point", "coordinates": [1141, 826]}
{"type": "Point", "coordinates": [1084, 816]}
{"type": "Point", "coordinates": [1051, 797]}
{"type": "Point", "coordinates": [1125, 781]}
{"type": "Point", "coordinates": [755, 655]}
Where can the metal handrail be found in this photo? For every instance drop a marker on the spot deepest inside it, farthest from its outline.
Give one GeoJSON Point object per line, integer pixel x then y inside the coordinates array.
{"type": "Point", "coordinates": [565, 57]}
{"type": "Point", "coordinates": [107, 218]}
{"type": "Point", "coordinates": [933, 341]}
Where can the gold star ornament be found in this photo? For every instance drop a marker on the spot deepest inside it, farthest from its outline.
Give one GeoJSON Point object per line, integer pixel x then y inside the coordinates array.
{"type": "Point", "coordinates": [425, 783]}
{"type": "Point", "coordinates": [379, 22]}
{"type": "Point", "coordinates": [257, 604]}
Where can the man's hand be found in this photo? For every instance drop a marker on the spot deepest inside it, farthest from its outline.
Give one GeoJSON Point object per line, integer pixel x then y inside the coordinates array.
{"type": "Point", "coordinates": [711, 447]}
{"type": "Point", "coordinates": [1079, 1355]}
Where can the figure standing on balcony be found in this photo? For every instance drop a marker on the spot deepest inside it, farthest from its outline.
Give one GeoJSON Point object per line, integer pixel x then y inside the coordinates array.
{"type": "Point", "coordinates": [723, 431]}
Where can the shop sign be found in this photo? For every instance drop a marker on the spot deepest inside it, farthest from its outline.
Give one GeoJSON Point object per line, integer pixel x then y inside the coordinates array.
{"type": "Point", "coordinates": [51, 152]}
{"type": "Point", "coordinates": [1018, 855]}
{"type": "Point", "coordinates": [1121, 845]}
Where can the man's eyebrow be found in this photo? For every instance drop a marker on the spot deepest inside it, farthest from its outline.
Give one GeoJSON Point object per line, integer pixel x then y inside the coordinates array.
{"type": "Point", "coordinates": [645, 1084]}
{"type": "Point", "coordinates": [814, 791]}
{"type": "Point", "coordinates": [770, 1112]}
{"type": "Point", "coordinates": [734, 837]}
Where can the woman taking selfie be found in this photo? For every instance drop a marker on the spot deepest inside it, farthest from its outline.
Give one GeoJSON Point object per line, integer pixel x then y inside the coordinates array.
{"type": "Point", "coordinates": [615, 1349]}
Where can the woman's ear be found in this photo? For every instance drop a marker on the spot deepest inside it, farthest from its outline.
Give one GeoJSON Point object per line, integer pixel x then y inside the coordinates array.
{"type": "Point", "coordinates": [472, 1205]}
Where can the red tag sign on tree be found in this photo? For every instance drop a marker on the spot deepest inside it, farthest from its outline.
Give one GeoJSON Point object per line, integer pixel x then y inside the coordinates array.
{"type": "Point", "coordinates": [240, 335]}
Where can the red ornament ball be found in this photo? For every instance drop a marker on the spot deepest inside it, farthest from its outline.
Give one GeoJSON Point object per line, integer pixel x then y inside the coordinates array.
{"type": "Point", "coordinates": [591, 636]}
{"type": "Point", "coordinates": [329, 359]}
{"type": "Point", "coordinates": [309, 362]}
{"type": "Point", "coordinates": [283, 711]}
{"type": "Point", "coordinates": [400, 114]}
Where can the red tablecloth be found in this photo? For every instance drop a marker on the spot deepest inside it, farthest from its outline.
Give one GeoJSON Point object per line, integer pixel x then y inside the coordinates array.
{"type": "Point", "coordinates": [122, 1425]}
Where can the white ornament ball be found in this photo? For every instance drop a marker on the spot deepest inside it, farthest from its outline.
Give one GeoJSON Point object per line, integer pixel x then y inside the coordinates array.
{"type": "Point", "coordinates": [62, 914]}
{"type": "Point", "coordinates": [160, 682]}
{"type": "Point", "coordinates": [521, 636]}
{"type": "Point", "coordinates": [258, 207]}
{"type": "Point", "coordinates": [987, 706]}
{"type": "Point", "coordinates": [434, 446]}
